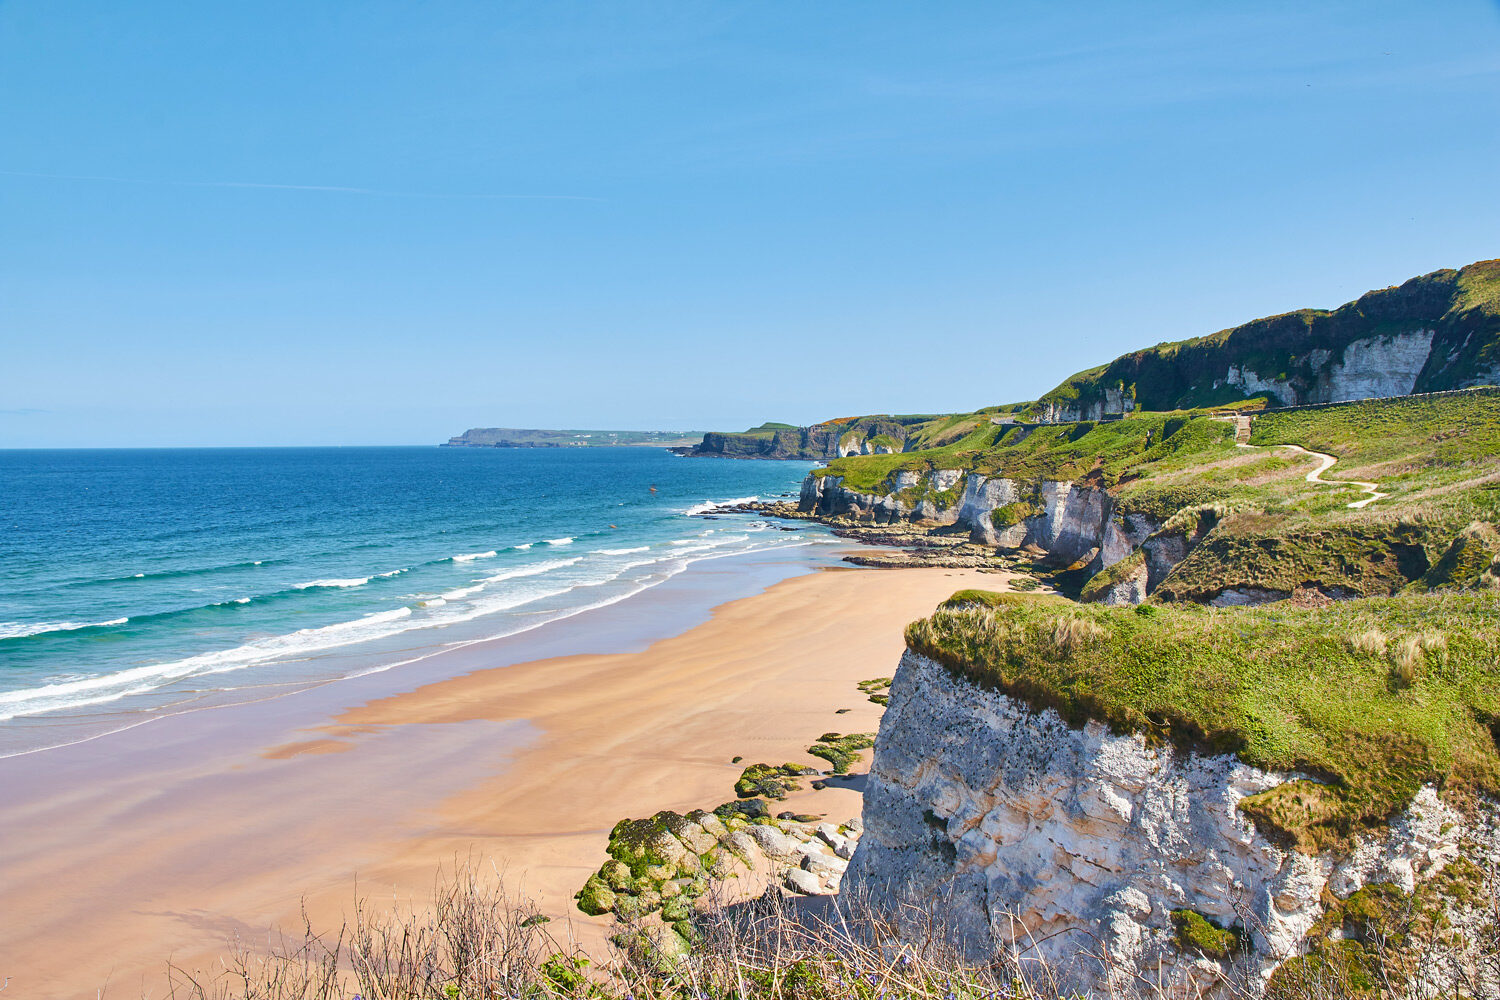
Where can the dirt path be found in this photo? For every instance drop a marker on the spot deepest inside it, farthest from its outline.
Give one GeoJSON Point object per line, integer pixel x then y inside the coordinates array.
{"type": "Point", "coordinates": [1326, 462]}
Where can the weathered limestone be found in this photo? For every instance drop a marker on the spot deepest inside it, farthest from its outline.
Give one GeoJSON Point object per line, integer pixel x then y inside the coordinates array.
{"type": "Point", "coordinates": [1067, 845]}
{"type": "Point", "coordinates": [1369, 367]}
{"type": "Point", "coordinates": [1069, 522]}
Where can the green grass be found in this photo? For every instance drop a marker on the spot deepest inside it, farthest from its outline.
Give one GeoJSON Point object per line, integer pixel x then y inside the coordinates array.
{"type": "Point", "coordinates": [1106, 451]}
{"type": "Point", "coordinates": [997, 599]}
{"type": "Point", "coordinates": [1374, 698]}
{"type": "Point", "coordinates": [1396, 435]}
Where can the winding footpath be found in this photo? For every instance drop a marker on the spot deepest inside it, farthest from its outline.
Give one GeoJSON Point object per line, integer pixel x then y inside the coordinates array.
{"type": "Point", "coordinates": [1325, 463]}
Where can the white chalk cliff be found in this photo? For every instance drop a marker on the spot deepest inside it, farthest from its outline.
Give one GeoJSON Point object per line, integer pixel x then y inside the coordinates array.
{"type": "Point", "coordinates": [1070, 522]}
{"type": "Point", "coordinates": [1041, 842]}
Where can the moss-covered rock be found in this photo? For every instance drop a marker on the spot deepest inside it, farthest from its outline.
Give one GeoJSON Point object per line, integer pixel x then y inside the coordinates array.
{"type": "Point", "coordinates": [664, 862]}
{"type": "Point", "coordinates": [1198, 934]}
{"type": "Point", "coordinates": [642, 843]}
{"type": "Point", "coordinates": [773, 781]}
{"type": "Point", "coordinates": [678, 907]}
{"type": "Point", "coordinates": [745, 809]}
{"type": "Point", "coordinates": [596, 897]}
{"type": "Point", "coordinates": [616, 875]}
{"type": "Point", "coordinates": [841, 751]}
{"type": "Point", "coordinates": [875, 689]}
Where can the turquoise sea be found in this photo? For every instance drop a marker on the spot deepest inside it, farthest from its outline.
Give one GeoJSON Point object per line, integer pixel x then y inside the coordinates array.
{"type": "Point", "coordinates": [140, 583]}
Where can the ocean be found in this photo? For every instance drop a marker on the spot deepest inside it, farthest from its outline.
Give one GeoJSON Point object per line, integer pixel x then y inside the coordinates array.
{"type": "Point", "coordinates": [143, 583]}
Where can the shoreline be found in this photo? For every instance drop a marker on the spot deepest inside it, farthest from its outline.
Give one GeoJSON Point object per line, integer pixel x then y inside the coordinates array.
{"type": "Point", "coordinates": [197, 835]}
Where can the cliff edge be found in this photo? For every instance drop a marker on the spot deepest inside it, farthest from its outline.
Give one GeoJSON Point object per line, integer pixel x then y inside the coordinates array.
{"type": "Point", "coordinates": [1100, 794]}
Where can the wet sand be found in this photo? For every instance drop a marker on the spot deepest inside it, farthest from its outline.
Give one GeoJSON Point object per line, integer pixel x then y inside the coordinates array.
{"type": "Point", "coordinates": [108, 872]}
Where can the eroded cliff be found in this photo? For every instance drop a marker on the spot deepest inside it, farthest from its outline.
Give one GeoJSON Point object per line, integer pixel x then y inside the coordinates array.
{"type": "Point", "coordinates": [1098, 855]}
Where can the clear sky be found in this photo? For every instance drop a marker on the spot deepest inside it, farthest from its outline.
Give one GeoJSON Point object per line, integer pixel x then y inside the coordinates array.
{"type": "Point", "coordinates": [375, 222]}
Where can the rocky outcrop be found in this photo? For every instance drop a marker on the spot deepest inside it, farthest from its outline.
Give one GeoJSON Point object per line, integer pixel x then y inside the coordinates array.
{"type": "Point", "coordinates": [829, 440]}
{"type": "Point", "coordinates": [1072, 524]}
{"type": "Point", "coordinates": [1145, 564]}
{"type": "Point", "coordinates": [664, 863]}
{"type": "Point", "coordinates": [1112, 402]}
{"type": "Point", "coordinates": [1090, 851]}
{"type": "Point", "coordinates": [1368, 367]}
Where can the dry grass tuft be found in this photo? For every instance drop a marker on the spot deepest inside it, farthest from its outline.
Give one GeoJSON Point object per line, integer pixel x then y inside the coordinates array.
{"type": "Point", "coordinates": [1371, 641]}
{"type": "Point", "coordinates": [1070, 634]}
{"type": "Point", "coordinates": [1414, 654]}
{"type": "Point", "coordinates": [474, 943]}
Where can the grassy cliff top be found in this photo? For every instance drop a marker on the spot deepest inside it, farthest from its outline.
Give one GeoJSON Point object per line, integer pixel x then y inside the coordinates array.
{"type": "Point", "coordinates": [1373, 698]}
{"type": "Point", "coordinates": [1105, 451]}
{"type": "Point", "coordinates": [1432, 454]}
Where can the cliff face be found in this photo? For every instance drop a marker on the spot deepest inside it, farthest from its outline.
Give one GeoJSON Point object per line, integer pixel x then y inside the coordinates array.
{"type": "Point", "coordinates": [1069, 523]}
{"type": "Point", "coordinates": [1088, 850]}
{"type": "Point", "coordinates": [831, 439]}
{"type": "Point", "coordinates": [1435, 332]}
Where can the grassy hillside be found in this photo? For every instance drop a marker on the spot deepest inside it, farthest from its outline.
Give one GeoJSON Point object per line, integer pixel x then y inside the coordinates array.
{"type": "Point", "coordinates": [1437, 457]}
{"type": "Point", "coordinates": [1373, 698]}
{"type": "Point", "coordinates": [1462, 307]}
{"type": "Point", "coordinates": [1100, 451]}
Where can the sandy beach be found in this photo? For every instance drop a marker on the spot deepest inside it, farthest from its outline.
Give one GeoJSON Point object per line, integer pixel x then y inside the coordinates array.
{"type": "Point", "coordinates": [526, 765]}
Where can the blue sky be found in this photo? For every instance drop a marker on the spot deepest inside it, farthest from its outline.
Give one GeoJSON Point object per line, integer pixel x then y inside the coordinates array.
{"type": "Point", "coordinates": [364, 223]}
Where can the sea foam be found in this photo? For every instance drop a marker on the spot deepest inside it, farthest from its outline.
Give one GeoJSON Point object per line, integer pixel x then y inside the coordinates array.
{"type": "Point", "coordinates": [22, 630]}
{"type": "Point", "coordinates": [354, 581]}
{"type": "Point", "coordinates": [708, 506]}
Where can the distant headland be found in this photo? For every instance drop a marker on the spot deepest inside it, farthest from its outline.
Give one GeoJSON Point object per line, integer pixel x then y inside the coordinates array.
{"type": "Point", "coordinates": [517, 437]}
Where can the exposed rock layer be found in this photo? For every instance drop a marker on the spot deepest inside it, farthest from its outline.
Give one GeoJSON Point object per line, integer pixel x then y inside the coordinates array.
{"type": "Point", "coordinates": [1076, 846]}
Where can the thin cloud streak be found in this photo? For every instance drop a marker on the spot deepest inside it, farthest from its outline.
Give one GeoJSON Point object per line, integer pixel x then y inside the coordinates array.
{"type": "Point", "coordinates": [325, 188]}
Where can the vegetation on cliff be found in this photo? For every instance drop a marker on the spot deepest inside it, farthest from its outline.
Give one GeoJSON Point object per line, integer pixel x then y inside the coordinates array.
{"type": "Point", "coordinates": [1099, 452]}
{"type": "Point", "coordinates": [1275, 531]}
{"type": "Point", "coordinates": [1461, 307]}
{"type": "Point", "coordinates": [1295, 350]}
{"type": "Point", "coordinates": [1371, 698]}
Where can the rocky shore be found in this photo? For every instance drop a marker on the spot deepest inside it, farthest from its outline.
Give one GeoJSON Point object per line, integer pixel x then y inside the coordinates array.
{"type": "Point", "coordinates": [896, 545]}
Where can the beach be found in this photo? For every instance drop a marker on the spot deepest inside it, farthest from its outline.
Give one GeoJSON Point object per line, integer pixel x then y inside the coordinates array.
{"type": "Point", "coordinates": [170, 841]}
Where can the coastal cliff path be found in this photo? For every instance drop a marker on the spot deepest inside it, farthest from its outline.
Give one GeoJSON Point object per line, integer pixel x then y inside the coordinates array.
{"type": "Point", "coordinates": [1326, 462]}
